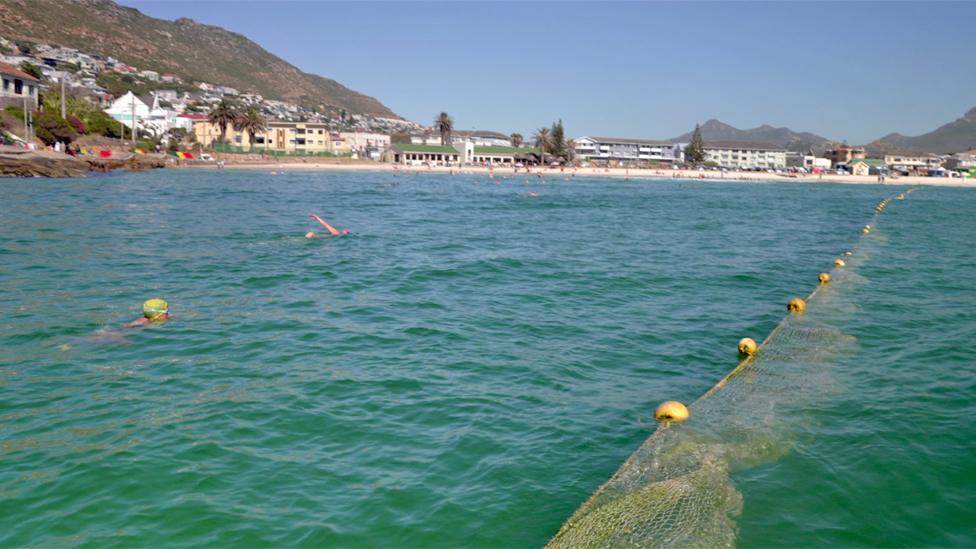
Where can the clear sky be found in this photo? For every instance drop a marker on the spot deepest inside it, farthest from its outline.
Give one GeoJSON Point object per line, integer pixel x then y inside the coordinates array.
{"type": "Point", "coordinates": [843, 70]}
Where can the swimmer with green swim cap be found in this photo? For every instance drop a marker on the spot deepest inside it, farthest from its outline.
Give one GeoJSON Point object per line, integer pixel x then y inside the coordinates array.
{"type": "Point", "coordinates": [153, 310]}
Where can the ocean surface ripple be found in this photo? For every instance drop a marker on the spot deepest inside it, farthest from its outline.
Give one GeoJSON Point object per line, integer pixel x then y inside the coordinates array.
{"type": "Point", "coordinates": [469, 364]}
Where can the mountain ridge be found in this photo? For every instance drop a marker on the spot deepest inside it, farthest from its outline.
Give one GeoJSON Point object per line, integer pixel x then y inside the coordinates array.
{"type": "Point", "coordinates": [956, 136]}
{"type": "Point", "coordinates": [716, 130]}
{"type": "Point", "coordinates": [193, 51]}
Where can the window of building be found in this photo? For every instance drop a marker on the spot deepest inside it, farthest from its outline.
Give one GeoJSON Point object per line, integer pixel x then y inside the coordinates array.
{"type": "Point", "coordinates": [300, 141]}
{"type": "Point", "coordinates": [18, 87]}
{"type": "Point", "coordinates": [6, 85]}
{"type": "Point", "coordinates": [300, 131]}
{"type": "Point", "coordinates": [30, 90]}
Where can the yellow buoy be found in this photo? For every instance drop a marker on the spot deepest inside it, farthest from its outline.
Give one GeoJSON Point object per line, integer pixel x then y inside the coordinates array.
{"type": "Point", "coordinates": [671, 410]}
{"type": "Point", "coordinates": [838, 262]}
{"type": "Point", "coordinates": [867, 229]}
{"type": "Point", "coordinates": [747, 346]}
{"type": "Point", "coordinates": [823, 278]}
{"type": "Point", "coordinates": [796, 305]}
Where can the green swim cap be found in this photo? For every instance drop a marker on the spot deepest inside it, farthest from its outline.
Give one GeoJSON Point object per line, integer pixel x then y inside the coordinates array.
{"type": "Point", "coordinates": [155, 308]}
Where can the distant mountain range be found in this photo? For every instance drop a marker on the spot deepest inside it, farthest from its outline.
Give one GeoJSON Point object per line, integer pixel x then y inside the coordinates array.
{"type": "Point", "coordinates": [956, 136]}
{"type": "Point", "coordinates": [190, 50]}
{"type": "Point", "coordinates": [715, 130]}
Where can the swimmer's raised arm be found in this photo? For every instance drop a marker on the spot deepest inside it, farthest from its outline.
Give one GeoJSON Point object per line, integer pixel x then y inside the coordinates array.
{"type": "Point", "coordinates": [325, 224]}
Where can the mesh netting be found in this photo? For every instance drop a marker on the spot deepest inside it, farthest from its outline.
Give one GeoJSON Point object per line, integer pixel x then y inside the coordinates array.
{"type": "Point", "coordinates": [676, 489]}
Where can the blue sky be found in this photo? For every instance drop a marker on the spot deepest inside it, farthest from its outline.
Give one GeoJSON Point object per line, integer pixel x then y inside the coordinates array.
{"type": "Point", "coordinates": [844, 70]}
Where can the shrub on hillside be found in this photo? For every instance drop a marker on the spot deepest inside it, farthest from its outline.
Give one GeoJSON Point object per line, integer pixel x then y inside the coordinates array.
{"type": "Point", "coordinates": [100, 123]}
{"type": "Point", "coordinates": [51, 128]}
{"type": "Point", "coordinates": [78, 124]}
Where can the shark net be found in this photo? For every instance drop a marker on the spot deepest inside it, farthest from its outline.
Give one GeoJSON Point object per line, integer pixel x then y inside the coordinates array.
{"type": "Point", "coordinates": [676, 488]}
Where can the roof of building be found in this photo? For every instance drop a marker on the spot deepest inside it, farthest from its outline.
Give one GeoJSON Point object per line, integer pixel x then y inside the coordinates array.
{"type": "Point", "coordinates": [743, 145]}
{"type": "Point", "coordinates": [7, 68]}
{"type": "Point", "coordinates": [478, 133]}
{"type": "Point", "coordinates": [505, 150]}
{"type": "Point", "coordinates": [626, 141]}
{"type": "Point", "coordinates": [872, 162]}
{"type": "Point", "coordinates": [412, 148]}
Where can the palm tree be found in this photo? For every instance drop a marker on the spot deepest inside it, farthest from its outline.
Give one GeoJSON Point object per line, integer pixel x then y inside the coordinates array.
{"type": "Point", "coordinates": [516, 139]}
{"type": "Point", "coordinates": [543, 140]}
{"type": "Point", "coordinates": [569, 151]}
{"type": "Point", "coordinates": [223, 115]}
{"type": "Point", "coordinates": [444, 124]}
{"type": "Point", "coordinates": [252, 122]}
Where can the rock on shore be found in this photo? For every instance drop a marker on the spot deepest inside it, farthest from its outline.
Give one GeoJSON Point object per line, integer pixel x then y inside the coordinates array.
{"type": "Point", "coordinates": [47, 164]}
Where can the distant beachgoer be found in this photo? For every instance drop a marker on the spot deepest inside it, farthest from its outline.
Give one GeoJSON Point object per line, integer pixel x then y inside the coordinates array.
{"type": "Point", "coordinates": [332, 230]}
{"type": "Point", "coordinates": [153, 310]}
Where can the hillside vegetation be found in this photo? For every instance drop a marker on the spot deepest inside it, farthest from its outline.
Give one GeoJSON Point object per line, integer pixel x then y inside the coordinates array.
{"type": "Point", "coordinates": [956, 136]}
{"type": "Point", "coordinates": [188, 49]}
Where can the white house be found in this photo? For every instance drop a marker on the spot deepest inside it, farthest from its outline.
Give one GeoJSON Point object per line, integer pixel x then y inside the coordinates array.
{"type": "Point", "coordinates": [126, 107]}
{"type": "Point", "coordinates": [17, 87]}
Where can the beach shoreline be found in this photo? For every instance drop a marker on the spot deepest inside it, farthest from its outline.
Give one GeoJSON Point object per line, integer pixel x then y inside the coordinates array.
{"type": "Point", "coordinates": [568, 173]}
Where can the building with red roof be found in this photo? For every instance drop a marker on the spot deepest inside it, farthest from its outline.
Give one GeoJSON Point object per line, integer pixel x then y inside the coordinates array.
{"type": "Point", "coordinates": [17, 87]}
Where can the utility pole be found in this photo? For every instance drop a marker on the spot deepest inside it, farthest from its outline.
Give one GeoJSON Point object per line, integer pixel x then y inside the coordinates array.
{"type": "Point", "coordinates": [26, 128]}
{"type": "Point", "coordinates": [64, 110]}
{"type": "Point", "coordinates": [133, 134]}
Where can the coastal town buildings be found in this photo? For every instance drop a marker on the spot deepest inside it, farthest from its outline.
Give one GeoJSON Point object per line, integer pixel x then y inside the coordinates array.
{"type": "Point", "coordinates": [412, 154]}
{"type": "Point", "coordinates": [963, 161]}
{"type": "Point", "coordinates": [504, 155]}
{"type": "Point", "coordinates": [17, 88]}
{"type": "Point", "coordinates": [866, 166]}
{"type": "Point", "coordinates": [843, 154]}
{"type": "Point", "coordinates": [909, 162]}
{"type": "Point", "coordinates": [287, 137]}
{"type": "Point", "coordinates": [740, 154]}
{"type": "Point", "coordinates": [627, 150]}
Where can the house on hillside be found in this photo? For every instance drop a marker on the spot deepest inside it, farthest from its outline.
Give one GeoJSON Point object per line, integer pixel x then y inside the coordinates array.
{"type": "Point", "coordinates": [18, 88]}
{"type": "Point", "coordinates": [128, 107]}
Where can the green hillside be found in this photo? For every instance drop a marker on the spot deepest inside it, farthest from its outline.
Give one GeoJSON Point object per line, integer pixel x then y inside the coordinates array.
{"type": "Point", "coordinates": [190, 50]}
{"type": "Point", "coordinates": [956, 136]}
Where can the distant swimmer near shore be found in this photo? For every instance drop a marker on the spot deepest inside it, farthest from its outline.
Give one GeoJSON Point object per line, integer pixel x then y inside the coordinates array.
{"type": "Point", "coordinates": [330, 228]}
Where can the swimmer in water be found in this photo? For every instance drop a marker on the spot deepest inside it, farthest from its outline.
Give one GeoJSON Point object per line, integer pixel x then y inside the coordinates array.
{"type": "Point", "coordinates": [330, 228]}
{"type": "Point", "coordinates": [153, 310]}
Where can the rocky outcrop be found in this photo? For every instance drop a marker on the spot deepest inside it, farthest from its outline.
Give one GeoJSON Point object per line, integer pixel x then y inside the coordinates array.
{"type": "Point", "coordinates": [44, 164]}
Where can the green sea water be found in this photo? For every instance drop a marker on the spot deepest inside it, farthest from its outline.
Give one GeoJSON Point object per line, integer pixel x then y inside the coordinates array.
{"type": "Point", "coordinates": [468, 365]}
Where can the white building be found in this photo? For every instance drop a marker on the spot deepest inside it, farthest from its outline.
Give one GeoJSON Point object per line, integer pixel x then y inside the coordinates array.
{"type": "Point", "coordinates": [126, 107]}
{"type": "Point", "coordinates": [153, 119]}
{"type": "Point", "coordinates": [742, 154]}
{"type": "Point", "coordinates": [627, 150]}
{"type": "Point", "coordinates": [18, 87]}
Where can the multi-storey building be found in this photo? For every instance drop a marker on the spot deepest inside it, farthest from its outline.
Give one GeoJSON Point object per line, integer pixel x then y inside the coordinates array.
{"type": "Point", "coordinates": [285, 137]}
{"type": "Point", "coordinates": [741, 154]}
{"type": "Point", "coordinates": [844, 154]}
{"type": "Point", "coordinates": [627, 150]}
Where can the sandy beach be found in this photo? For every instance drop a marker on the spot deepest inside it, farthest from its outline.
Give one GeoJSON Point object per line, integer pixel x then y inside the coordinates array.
{"type": "Point", "coordinates": [567, 173]}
